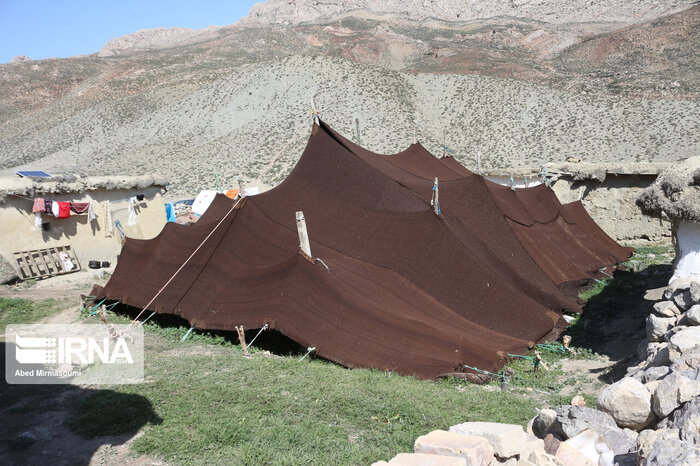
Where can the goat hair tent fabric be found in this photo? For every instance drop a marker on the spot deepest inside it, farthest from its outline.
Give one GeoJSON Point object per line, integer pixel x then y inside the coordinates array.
{"type": "Point", "coordinates": [564, 242]}
{"type": "Point", "coordinates": [404, 289]}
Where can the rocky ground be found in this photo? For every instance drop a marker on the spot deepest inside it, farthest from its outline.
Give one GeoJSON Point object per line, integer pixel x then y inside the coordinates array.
{"type": "Point", "coordinates": [651, 416]}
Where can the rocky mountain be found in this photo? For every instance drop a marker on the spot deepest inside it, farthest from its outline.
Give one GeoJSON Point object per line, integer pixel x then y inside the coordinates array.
{"type": "Point", "coordinates": [516, 88]}
{"type": "Point", "coordinates": [548, 11]}
{"type": "Point", "coordinates": [149, 39]}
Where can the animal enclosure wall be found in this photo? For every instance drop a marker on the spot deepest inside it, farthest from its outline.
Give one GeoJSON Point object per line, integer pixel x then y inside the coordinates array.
{"type": "Point", "coordinates": [96, 240]}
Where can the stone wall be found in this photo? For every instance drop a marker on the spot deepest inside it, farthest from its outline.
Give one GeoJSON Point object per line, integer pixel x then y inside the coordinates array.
{"type": "Point", "coordinates": [611, 203]}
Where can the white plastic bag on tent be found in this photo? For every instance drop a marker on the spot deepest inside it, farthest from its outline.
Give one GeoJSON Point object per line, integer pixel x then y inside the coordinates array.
{"type": "Point", "coordinates": [689, 244]}
{"type": "Point", "coordinates": [202, 202]}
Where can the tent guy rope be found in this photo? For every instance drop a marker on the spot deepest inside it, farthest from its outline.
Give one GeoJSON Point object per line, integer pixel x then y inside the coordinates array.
{"type": "Point", "coordinates": [185, 263]}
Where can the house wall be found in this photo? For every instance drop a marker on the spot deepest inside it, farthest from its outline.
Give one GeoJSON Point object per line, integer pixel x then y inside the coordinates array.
{"type": "Point", "coordinates": [89, 240]}
{"type": "Point", "coordinates": [611, 204]}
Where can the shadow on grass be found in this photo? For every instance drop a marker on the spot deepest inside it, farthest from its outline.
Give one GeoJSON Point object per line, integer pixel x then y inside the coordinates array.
{"type": "Point", "coordinates": [614, 316]}
{"type": "Point", "coordinates": [65, 424]}
{"type": "Point", "coordinates": [173, 326]}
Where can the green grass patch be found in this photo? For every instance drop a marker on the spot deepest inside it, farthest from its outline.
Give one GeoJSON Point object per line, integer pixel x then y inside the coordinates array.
{"type": "Point", "coordinates": [205, 403]}
{"type": "Point", "coordinates": [24, 311]}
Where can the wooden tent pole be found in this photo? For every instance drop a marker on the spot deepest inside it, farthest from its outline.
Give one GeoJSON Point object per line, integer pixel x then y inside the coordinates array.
{"type": "Point", "coordinates": [303, 235]}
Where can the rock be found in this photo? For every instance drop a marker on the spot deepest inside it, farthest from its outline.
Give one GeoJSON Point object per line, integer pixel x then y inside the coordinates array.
{"type": "Point", "coordinates": [571, 456]}
{"type": "Point", "coordinates": [673, 391]}
{"type": "Point", "coordinates": [652, 386]}
{"type": "Point", "coordinates": [421, 459]}
{"type": "Point", "coordinates": [572, 420]}
{"type": "Point", "coordinates": [666, 309]}
{"type": "Point", "coordinates": [676, 285]}
{"type": "Point", "coordinates": [693, 315]}
{"type": "Point", "coordinates": [578, 401]}
{"type": "Point", "coordinates": [543, 422]}
{"type": "Point", "coordinates": [528, 428]}
{"type": "Point", "coordinates": [629, 403]}
{"type": "Point", "coordinates": [551, 443]}
{"type": "Point", "coordinates": [543, 459]}
{"type": "Point", "coordinates": [683, 341]}
{"type": "Point", "coordinates": [654, 373]}
{"type": "Point", "coordinates": [682, 299]}
{"type": "Point", "coordinates": [673, 452]}
{"type": "Point", "coordinates": [628, 459]}
{"type": "Point", "coordinates": [688, 361]}
{"type": "Point", "coordinates": [658, 326]}
{"type": "Point", "coordinates": [672, 332]}
{"type": "Point", "coordinates": [506, 439]}
{"type": "Point", "coordinates": [648, 438]}
{"type": "Point", "coordinates": [476, 450]}
{"type": "Point", "coordinates": [686, 420]}
{"type": "Point", "coordinates": [659, 355]}
{"type": "Point", "coordinates": [592, 446]}
{"type": "Point", "coordinates": [7, 272]}
{"type": "Point", "coordinates": [695, 292]}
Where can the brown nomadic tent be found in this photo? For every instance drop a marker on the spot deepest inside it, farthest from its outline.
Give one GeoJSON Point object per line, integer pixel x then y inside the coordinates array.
{"type": "Point", "coordinates": [404, 289]}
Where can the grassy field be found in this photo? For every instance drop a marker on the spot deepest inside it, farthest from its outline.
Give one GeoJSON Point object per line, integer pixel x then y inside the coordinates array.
{"type": "Point", "coordinates": [203, 403]}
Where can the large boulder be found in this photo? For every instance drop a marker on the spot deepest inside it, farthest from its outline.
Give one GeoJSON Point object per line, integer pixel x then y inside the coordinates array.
{"type": "Point", "coordinates": [686, 420]}
{"type": "Point", "coordinates": [476, 450]}
{"type": "Point", "coordinates": [684, 341]}
{"type": "Point", "coordinates": [629, 402]}
{"type": "Point", "coordinates": [647, 440]}
{"type": "Point", "coordinates": [572, 420]}
{"type": "Point", "coordinates": [658, 326]}
{"type": "Point", "coordinates": [673, 391]}
{"type": "Point", "coordinates": [673, 452]}
{"type": "Point", "coordinates": [507, 440]}
{"type": "Point", "coordinates": [666, 309]}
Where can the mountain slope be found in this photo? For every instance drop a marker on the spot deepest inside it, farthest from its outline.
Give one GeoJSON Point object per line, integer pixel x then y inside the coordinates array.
{"type": "Point", "coordinates": [225, 100]}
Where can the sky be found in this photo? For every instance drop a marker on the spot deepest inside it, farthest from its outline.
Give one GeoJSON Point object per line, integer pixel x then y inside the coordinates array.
{"type": "Point", "coordinates": [61, 28]}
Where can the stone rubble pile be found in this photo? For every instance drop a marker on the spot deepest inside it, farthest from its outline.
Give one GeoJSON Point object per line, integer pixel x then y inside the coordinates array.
{"type": "Point", "coordinates": [651, 417]}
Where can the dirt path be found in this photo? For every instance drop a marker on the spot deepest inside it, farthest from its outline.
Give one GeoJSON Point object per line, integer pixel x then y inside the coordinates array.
{"type": "Point", "coordinates": [34, 428]}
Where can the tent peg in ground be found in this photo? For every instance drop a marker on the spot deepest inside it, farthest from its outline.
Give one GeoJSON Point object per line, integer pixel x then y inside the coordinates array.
{"type": "Point", "coordinates": [309, 350]}
{"type": "Point", "coordinates": [187, 334]}
{"type": "Point", "coordinates": [146, 319]}
{"type": "Point", "coordinates": [241, 338]}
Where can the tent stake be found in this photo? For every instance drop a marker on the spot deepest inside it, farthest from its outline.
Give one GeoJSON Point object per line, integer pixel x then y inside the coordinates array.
{"type": "Point", "coordinates": [187, 334]}
{"type": "Point", "coordinates": [146, 320]}
{"type": "Point", "coordinates": [241, 338]}
{"type": "Point", "coordinates": [478, 162]}
{"type": "Point", "coordinates": [303, 235]}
